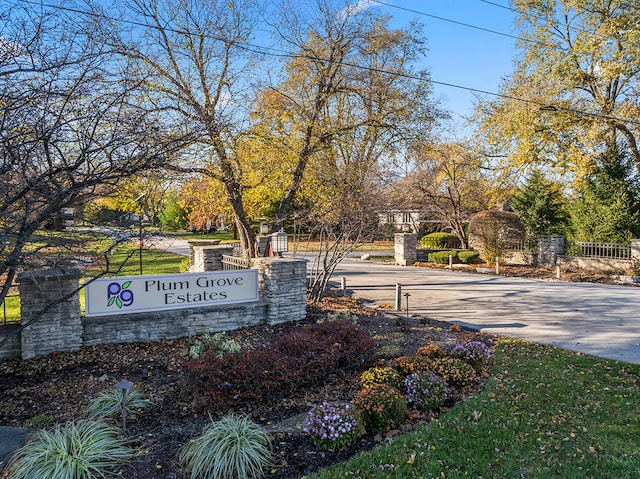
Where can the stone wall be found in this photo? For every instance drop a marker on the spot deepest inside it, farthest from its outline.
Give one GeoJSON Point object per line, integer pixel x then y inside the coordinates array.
{"type": "Point", "coordinates": [179, 323]}
{"type": "Point", "coordinates": [605, 265]}
{"type": "Point", "coordinates": [282, 290]}
{"type": "Point", "coordinates": [12, 348]}
{"type": "Point", "coordinates": [59, 327]}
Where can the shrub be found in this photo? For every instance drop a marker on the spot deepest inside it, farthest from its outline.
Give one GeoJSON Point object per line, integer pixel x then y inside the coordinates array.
{"type": "Point", "coordinates": [380, 405]}
{"type": "Point", "coordinates": [473, 352]}
{"type": "Point", "coordinates": [431, 351]}
{"type": "Point", "coordinates": [296, 360]}
{"type": "Point", "coordinates": [456, 372]}
{"type": "Point", "coordinates": [109, 402]}
{"type": "Point", "coordinates": [426, 390]}
{"type": "Point", "coordinates": [374, 376]}
{"type": "Point", "coordinates": [81, 450]}
{"type": "Point", "coordinates": [333, 425]}
{"type": "Point", "coordinates": [440, 240]}
{"type": "Point", "coordinates": [217, 343]}
{"type": "Point", "coordinates": [342, 316]}
{"type": "Point", "coordinates": [492, 232]}
{"type": "Point", "coordinates": [232, 448]}
{"type": "Point", "coordinates": [468, 256]}
{"type": "Point", "coordinates": [406, 365]}
{"type": "Point", "coordinates": [442, 257]}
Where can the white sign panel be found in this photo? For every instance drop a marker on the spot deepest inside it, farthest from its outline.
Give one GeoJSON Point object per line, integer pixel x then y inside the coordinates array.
{"type": "Point", "coordinates": [136, 294]}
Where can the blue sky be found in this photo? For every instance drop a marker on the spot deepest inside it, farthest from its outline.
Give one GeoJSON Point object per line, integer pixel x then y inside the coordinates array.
{"type": "Point", "coordinates": [458, 54]}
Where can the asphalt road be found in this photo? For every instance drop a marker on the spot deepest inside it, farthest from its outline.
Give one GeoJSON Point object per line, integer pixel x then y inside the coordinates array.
{"type": "Point", "coordinates": [595, 319]}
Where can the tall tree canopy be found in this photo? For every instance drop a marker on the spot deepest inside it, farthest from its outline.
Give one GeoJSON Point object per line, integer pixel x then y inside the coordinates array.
{"type": "Point", "coordinates": [575, 92]}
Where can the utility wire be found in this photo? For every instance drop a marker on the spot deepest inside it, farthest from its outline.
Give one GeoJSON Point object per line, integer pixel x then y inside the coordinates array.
{"type": "Point", "coordinates": [278, 53]}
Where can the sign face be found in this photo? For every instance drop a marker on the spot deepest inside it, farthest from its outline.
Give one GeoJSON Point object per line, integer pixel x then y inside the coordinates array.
{"type": "Point", "coordinates": [137, 294]}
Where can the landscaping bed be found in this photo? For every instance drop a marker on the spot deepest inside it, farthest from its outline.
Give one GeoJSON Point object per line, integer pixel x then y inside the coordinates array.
{"type": "Point", "coordinates": [57, 388]}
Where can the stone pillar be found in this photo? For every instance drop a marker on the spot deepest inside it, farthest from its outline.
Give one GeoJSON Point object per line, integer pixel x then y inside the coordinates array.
{"type": "Point", "coordinates": [549, 248]}
{"type": "Point", "coordinates": [406, 245]}
{"type": "Point", "coordinates": [283, 285]}
{"type": "Point", "coordinates": [59, 328]}
{"type": "Point", "coordinates": [635, 250]}
{"type": "Point", "coordinates": [209, 258]}
{"type": "Point", "coordinates": [193, 244]}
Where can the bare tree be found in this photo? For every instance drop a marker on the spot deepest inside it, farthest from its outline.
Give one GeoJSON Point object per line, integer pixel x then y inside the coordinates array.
{"type": "Point", "coordinates": [193, 57]}
{"type": "Point", "coordinates": [69, 121]}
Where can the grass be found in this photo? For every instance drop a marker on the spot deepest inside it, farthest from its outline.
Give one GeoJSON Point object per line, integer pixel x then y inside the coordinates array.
{"type": "Point", "coordinates": [546, 412]}
{"type": "Point", "coordinates": [125, 260]}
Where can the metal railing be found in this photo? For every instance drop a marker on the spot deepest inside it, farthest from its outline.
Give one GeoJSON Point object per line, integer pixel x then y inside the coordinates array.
{"type": "Point", "coordinates": [230, 263]}
{"type": "Point", "coordinates": [5, 319]}
{"type": "Point", "coordinates": [601, 250]}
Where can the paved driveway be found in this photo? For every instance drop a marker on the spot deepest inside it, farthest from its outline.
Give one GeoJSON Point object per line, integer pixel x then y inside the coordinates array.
{"type": "Point", "coordinates": [600, 320]}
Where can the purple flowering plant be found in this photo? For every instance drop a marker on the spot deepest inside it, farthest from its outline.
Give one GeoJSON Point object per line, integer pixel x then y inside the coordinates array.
{"type": "Point", "coordinates": [472, 352]}
{"type": "Point", "coordinates": [333, 425]}
{"type": "Point", "coordinates": [426, 390]}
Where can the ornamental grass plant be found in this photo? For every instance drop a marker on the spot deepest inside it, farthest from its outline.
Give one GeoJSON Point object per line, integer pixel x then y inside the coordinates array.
{"type": "Point", "coordinates": [109, 403]}
{"type": "Point", "coordinates": [85, 449]}
{"type": "Point", "coordinates": [232, 448]}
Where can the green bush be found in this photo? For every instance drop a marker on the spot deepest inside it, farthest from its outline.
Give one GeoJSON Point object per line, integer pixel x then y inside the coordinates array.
{"type": "Point", "coordinates": [456, 372]}
{"type": "Point", "coordinates": [442, 257]}
{"type": "Point", "coordinates": [81, 450]}
{"type": "Point", "coordinates": [468, 256]}
{"type": "Point", "coordinates": [440, 240]}
{"type": "Point", "coordinates": [233, 448]}
{"type": "Point", "coordinates": [380, 405]}
{"type": "Point", "coordinates": [217, 344]}
{"type": "Point", "coordinates": [109, 402]}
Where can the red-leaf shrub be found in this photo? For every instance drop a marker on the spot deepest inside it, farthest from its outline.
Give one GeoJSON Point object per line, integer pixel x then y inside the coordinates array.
{"type": "Point", "coordinates": [303, 357]}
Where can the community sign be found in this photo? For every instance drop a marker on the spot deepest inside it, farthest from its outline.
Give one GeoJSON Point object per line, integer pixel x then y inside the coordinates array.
{"type": "Point", "coordinates": [137, 294]}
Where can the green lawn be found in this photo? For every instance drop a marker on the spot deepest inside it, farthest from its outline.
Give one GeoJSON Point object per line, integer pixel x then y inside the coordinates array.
{"type": "Point", "coordinates": [125, 260]}
{"type": "Point", "coordinates": [545, 413]}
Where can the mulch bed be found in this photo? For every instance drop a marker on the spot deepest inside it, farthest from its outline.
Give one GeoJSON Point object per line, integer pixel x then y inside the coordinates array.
{"type": "Point", "coordinates": [54, 389]}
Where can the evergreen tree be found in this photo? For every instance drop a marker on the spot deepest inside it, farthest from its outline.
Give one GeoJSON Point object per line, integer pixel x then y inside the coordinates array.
{"type": "Point", "coordinates": [540, 205]}
{"type": "Point", "coordinates": [607, 208]}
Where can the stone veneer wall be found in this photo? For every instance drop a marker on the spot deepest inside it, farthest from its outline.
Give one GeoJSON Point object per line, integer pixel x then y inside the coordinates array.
{"type": "Point", "coordinates": [12, 348]}
{"type": "Point", "coordinates": [282, 287]}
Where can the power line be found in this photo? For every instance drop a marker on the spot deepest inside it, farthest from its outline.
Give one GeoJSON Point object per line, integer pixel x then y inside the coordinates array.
{"type": "Point", "coordinates": [278, 53]}
{"type": "Point", "coordinates": [455, 22]}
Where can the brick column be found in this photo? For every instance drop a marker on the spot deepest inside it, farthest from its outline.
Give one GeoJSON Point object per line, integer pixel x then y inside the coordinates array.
{"type": "Point", "coordinates": [549, 248]}
{"type": "Point", "coordinates": [209, 258]}
{"type": "Point", "coordinates": [406, 245]}
{"type": "Point", "coordinates": [283, 285]}
{"type": "Point", "coordinates": [60, 327]}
